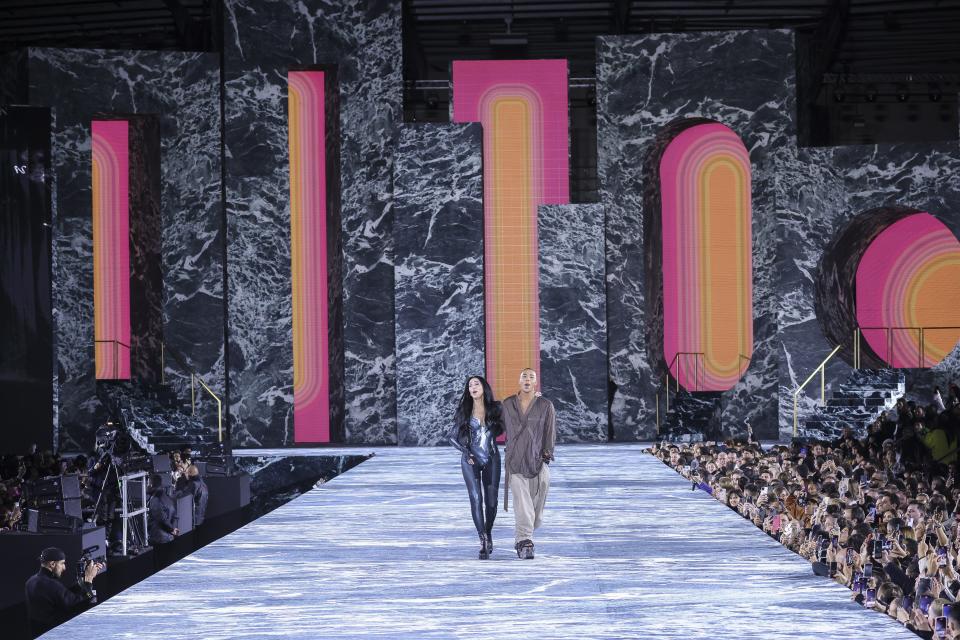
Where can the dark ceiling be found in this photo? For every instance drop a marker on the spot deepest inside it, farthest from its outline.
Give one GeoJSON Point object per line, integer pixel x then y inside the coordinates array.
{"type": "Point", "coordinates": [850, 52]}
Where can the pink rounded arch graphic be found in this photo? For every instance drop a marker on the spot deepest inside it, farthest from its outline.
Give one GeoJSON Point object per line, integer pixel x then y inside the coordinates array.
{"type": "Point", "coordinates": [707, 257]}
{"type": "Point", "coordinates": [908, 292]}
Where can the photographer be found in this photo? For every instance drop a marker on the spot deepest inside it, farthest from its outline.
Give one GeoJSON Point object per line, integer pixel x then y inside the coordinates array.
{"type": "Point", "coordinates": [49, 602]}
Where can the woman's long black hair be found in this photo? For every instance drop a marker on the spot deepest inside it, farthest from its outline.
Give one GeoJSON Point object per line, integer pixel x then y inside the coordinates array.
{"type": "Point", "coordinates": [493, 416]}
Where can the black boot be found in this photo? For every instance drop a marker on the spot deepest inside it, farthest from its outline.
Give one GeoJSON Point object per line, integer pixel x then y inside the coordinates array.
{"type": "Point", "coordinates": [484, 544]}
{"type": "Point", "coordinates": [489, 543]}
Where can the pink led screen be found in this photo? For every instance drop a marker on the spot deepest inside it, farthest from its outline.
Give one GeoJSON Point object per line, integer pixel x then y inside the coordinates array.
{"type": "Point", "coordinates": [908, 279]}
{"type": "Point", "coordinates": [308, 248]}
{"type": "Point", "coordinates": [707, 259]}
{"type": "Point", "coordinates": [522, 105]}
{"type": "Point", "coordinates": [111, 248]}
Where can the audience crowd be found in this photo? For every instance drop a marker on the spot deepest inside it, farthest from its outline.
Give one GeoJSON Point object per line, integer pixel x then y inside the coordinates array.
{"type": "Point", "coordinates": [879, 514]}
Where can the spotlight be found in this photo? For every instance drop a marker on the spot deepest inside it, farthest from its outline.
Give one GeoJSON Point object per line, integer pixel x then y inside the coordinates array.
{"type": "Point", "coordinates": [935, 92]}
{"type": "Point", "coordinates": [871, 94]}
{"type": "Point", "coordinates": [903, 94]}
{"type": "Point", "coordinates": [839, 95]}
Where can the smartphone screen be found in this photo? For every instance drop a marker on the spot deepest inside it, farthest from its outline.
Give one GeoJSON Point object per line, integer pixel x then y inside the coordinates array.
{"type": "Point", "coordinates": [878, 549]}
{"type": "Point", "coordinates": [871, 597]}
{"type": "Point", "coordinates": [775, 525]}
{"type": "Point", "coordinates": [907, 603]}
{"type": "Point", "coordinates": [946, 610]}
{"type": "Point", "coordinates": [851, 556]}
{"type": "Point", "coordinates": [925, 601]}
{"type": "Point", "coordinates": [833, 569]}
{"type": "Point", "coordinates": [940, 627]}
{"type": "Point", "coordinates": [867, 570]}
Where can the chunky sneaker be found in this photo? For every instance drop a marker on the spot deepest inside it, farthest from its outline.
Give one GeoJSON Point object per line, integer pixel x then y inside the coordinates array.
{"type": "Point", "coordinates": [525, 549]}
{"type": "Point", "coordinates": [489, 544]}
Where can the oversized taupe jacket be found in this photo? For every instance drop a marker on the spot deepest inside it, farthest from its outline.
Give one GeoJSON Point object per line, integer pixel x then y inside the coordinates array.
{"type": "Point", "coordinates": [525, 446]}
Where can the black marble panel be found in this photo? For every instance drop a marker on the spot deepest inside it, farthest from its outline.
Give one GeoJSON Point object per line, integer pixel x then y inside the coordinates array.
{"type": "Point", "coordinates": [182, 91]}
{"type": "Point", "coordinates": [438, 237]}
{"type": "Point", "coordinates": [745, 80]}
{"type": "Point", "coordinates": [263, 41]}
{"type": "Point", "coordinates": [146, 250]}
{"type": "Point", "coordinates": [27, 368]}
{"type": "Point", "coordinates": [573, 319]}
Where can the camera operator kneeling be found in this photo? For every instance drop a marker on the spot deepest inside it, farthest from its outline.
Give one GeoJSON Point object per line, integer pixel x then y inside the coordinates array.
{"type": "Point", "coordinates": [49, 602]}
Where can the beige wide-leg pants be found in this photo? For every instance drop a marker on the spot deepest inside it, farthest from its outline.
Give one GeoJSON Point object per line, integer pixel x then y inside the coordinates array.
{"type": "Point", "coordinates": [529, 496]}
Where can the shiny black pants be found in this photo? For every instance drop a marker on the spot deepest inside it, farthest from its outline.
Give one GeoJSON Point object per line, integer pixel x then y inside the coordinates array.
{"type": "Point", "coordinates": [482, 486]}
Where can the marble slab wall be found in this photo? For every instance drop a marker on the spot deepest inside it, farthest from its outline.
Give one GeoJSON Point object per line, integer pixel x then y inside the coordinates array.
{"type": "Point", "coordinates": [146, 250]}
{"type": "Point", "coordinates": [573, 319]}
{"type": "Point", "coordinates": [438, 236]}
{"type": "Point", "coordinates": [181, 90]}
{"type": "Point", "coordinates": [744, 80]}
{"type": "Point", "coordinates": [262, 41]}
{"type": "Point", "coordinates": [830, 187]}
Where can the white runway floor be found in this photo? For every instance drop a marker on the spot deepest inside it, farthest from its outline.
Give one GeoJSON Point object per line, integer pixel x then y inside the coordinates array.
{"type": "Point", "coordinates": [387, 550]}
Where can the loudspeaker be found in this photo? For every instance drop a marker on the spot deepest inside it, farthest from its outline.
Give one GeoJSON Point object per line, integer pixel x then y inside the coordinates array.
{"type": "Point", "coordinates": [61, 486]}
{"type": "Point", "coordinates": [50, 522]}
{"type": "Point", "coordinates": [70, 507]}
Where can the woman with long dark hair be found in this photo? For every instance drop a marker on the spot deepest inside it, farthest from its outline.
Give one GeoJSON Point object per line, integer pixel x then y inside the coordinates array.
{"type": "Point", "coordinates": [476, 426]}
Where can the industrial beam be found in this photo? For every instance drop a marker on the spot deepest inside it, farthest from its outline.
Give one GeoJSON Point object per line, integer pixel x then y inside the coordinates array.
{"type": "Point", "coordinates": [816, 53]}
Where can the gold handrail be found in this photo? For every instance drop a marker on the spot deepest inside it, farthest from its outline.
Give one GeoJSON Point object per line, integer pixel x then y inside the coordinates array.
{"type": "Point", "coordinates": [193, 377]}
{"type": "Point", "coordinates": [921, 332]}
{"type": "Point", "coordinates": [796, 394]}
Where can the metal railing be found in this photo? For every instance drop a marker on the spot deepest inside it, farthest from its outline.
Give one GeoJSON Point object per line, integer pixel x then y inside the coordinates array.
{"type": "Point", "coordinates": [116, 354]}
{"type": "Point", "coordinates": [796, 394]}
{"type": "Point", "coordinates": [921, 340]}
{"type": "Point", "coordinates": [194, 379]}
{"type": "Point", "coordinates": [698, 371]}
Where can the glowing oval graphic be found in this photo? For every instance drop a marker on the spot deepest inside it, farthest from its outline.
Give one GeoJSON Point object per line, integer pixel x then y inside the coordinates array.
{"type": "Point", "coordinates": [707, 257]}
{"type": "Point", "coordinates": [907, 280]}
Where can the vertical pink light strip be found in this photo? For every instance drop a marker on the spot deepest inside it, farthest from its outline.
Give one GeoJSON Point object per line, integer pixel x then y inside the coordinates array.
{"type": "Point", "coordinates": [525, 164]}
{"type": "Point", "coordinates": [111, 248]}
{"type": "Point", "coordinates": [707, 257]}
{"type": "Point", "coordinates": [308, 249]}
